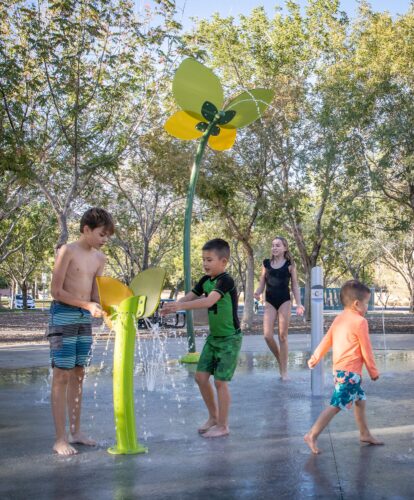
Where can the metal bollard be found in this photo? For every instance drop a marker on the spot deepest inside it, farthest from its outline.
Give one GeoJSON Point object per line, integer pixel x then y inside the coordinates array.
{"type": "Point", "coordinates": [317, 374]}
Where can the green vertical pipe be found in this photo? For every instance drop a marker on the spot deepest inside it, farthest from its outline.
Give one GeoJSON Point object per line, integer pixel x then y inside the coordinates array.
{"type": "Point", "coordinates": [123, 380]}
{"type": "Point", "coordinates": [187, 227]}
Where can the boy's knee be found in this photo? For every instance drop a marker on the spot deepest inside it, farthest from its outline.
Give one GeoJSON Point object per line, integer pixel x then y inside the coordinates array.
{"type": "Point", "coordinates": [220, 384]}
{"type": "Point", "coordinates": [79, 372]}
{"type": "Point", "coordinates": [202, 378]}
{"type": "Point", "coordinates": [61, 376]}
{"type": "Point", "coordinates": [268, 336]}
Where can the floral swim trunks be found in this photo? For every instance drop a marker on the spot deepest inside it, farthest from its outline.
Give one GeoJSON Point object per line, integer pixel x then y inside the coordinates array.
{"type": "Point", "coordinates": [347, 389]}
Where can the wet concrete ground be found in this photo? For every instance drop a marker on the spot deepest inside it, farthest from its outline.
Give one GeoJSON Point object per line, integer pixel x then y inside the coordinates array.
{"type": "Point", "coordinates": [263, 458]}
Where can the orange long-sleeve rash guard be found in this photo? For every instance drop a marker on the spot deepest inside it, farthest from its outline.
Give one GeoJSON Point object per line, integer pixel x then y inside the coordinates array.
{"type": "Point", "coordinates": [351, 346]}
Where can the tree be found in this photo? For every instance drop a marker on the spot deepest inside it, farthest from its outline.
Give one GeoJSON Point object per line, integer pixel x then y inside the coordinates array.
{"type": "Point", "coordinates": [12, 198]}
{"type": "Point", "coordinates": [288, 53]}
{"type": "Point", "coordinates": [77, 81]}
{"type": "Point", "coordinates": [398, 254]}
{"type": "Point", "coordinates": [35, 235]}
{"type": "Point", "coordinates": [148, 216]}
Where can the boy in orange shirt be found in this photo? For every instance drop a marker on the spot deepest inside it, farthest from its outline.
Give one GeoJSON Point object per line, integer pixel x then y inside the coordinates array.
{"type": "Point", "coordinates": [351, 347]}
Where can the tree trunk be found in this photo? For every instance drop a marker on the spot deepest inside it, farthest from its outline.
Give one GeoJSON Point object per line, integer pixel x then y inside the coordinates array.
{"type": "Point", "coordinates": [307, 298]}
{"type": "Point", "coordinates": [12, 294]}
{"type": "Point", "coordinates": [248, 296]}
{"type": "Point", "coordinates": [24, 294]}
{"type": "Point", "coordinates": [145, 257]}
{"type": "Point", "coordinates": [64, 232]}
{"type": "Point", "coordinates": [176, 290]}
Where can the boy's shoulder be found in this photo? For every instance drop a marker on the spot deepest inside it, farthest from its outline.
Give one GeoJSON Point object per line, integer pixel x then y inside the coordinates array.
{"type": "Point", "coordinates": [225, 276]}
{"type": "Point", "coordinates": [350, 317]}
{"type": "Point", "coordinates": [67, 250]}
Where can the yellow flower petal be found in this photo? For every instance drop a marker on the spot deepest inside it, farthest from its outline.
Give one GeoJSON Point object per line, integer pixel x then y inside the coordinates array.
{"type": "Point", "coordinates": [111, 292]}
{"type": "Point", "coordinates": [224, 140]}
{"type": "Point", "coordinates": [183, 126]}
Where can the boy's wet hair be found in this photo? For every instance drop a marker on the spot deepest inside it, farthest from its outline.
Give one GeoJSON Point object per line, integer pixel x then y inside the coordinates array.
{"type": "Point", "coordinates": [219, 246]}
{"type": "Point", "coordinates": [353, 290]}
{"type": "Point", "coordinates": [97, 217]}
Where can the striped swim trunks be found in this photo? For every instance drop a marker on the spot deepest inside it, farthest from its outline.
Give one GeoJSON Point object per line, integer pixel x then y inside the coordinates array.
{"type": "Point", "coordinates": [70, 336]}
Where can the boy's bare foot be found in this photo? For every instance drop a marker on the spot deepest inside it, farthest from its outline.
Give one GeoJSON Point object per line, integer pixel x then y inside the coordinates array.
{"type": "Point", "coordinates": [62, 447]}
{"type": "Point", "coordinates": [217, 431]}
{"type": "Point", "coordinates": [80, 438]}
{"type": "Point", "coordinates": [370, 440]}
{"type": "Point", "coordinates": [211, 422]}
{"type": "Point", "coordinates": [284, 377]}
{"type": "Point", "coordinates": [311, 442]}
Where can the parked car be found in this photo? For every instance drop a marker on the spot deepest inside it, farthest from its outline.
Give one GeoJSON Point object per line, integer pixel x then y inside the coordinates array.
{"type": "Point", "coordinates": [18, 302]}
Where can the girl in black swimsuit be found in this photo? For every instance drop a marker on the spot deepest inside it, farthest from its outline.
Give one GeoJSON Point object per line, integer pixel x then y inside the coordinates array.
{"type": "Point", "coordinates": [277, 272]}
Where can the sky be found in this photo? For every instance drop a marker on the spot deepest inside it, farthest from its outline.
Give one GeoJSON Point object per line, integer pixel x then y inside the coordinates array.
{"type": "Point", "coordinates": [205, 8]}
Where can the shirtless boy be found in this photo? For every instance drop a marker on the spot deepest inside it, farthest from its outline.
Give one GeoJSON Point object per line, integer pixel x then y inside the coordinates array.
{"type": "Point", "coordinates": [76, 301]}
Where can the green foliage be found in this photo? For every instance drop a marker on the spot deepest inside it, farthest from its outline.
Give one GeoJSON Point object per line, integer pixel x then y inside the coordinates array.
{"type": "Point", "coordinates": [85, 89]}
{"type": "Point", "coordinates": [78, 79]}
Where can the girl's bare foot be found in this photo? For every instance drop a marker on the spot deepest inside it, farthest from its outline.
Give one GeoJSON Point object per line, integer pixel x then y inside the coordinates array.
{"type": "Point", "coordinates": [62, 447]}
{"type": "Point", "coordinates": [217, 431]}
{"type": "Point", "coordinates": [80, 438]}
{"type": "Point", "coordinates": [311, 442]}
{"type": "Point", "coordinates": [369, 438]}
{"type": "Point", "coordinates": [211, 422]}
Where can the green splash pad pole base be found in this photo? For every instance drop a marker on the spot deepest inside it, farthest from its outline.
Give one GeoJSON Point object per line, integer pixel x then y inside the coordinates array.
{"type": "Point", "coordinates": [190, 357]}
{"type": "Point", "coordinates": [123, 380]}
{"type": "Point", "coordinates": [113, 450]}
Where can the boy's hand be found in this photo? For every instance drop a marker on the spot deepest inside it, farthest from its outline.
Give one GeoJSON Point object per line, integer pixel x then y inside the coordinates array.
{"type": "Point", "coordinates": [95, 309]}
{"type": "Point", "coordinates": [169, 307]}
{"type": "Point", "coordinates": [257, 295]}
{"type": "Point", "coordinates": [375, 378]}
{"type": "Point", "coordinates": [311, 364]}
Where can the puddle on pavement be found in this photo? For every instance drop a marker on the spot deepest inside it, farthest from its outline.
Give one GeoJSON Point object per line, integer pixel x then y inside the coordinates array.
{"type": "Point", "coordinates": [388, 362]}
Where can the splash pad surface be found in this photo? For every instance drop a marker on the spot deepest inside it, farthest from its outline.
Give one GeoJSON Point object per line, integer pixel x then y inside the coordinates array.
{"type": "Point", "coordinates": [264, 453]}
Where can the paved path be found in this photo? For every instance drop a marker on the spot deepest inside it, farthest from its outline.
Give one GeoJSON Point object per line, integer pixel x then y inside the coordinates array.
{"type": "Point", "coordinates": [263, 458]}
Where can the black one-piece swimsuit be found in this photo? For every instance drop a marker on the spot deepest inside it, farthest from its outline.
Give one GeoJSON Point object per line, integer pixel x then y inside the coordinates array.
{"type": "Point", "coordinates": [277, 284]}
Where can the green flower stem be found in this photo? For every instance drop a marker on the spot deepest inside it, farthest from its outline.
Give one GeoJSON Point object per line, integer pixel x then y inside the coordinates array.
{"type": "Point", "coordinates": [123, 380]}
{"type": "Point", "coordinates": [187, 226]}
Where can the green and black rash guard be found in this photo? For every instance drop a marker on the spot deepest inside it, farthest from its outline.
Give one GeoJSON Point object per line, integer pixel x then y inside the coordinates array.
{"type": "Point", "coordinates": [222, 316]}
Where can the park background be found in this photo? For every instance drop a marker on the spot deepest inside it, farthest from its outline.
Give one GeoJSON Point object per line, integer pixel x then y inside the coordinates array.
{"type": "Point", "coordinates": [86, 88]}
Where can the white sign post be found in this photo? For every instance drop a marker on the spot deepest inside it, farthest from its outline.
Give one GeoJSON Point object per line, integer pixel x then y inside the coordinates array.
{"type": "Point", "coordinates": [317, 374]}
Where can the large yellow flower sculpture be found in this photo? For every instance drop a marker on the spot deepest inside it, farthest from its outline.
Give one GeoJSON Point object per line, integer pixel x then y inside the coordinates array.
{"type": "Point", "coordinates": [199, 94]}
{"type": "Point", "coordinates": [205, 116]}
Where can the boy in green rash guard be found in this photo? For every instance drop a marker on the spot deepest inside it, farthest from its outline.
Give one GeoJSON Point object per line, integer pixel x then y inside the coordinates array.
{"type": "Point", "coordinates": [222, 347]}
